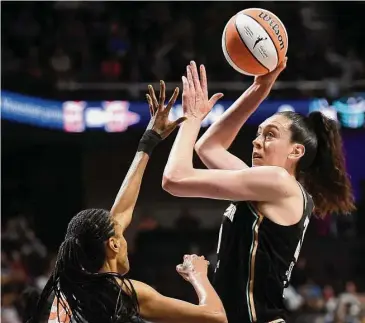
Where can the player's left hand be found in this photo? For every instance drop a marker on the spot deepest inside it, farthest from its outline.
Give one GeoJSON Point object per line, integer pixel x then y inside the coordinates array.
{"type": "Point", "coordinates": [195, 100]}
{"type": "Point", "coordinates": [193, 265]}
{"type": "Point", "coordinates": [160, 113]}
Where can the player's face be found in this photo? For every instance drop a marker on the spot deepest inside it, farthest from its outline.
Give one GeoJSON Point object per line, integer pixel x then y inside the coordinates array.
{"type": "Point", "coordinates": [272, 144]}
{"type": "Point", "coordinates": [122, 254]}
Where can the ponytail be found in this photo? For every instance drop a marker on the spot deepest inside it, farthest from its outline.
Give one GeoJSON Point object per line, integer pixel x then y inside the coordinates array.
{"type": "Point", "coordinates": [326, 178]}
{"type": "Point", "coordinates": [322, 169]}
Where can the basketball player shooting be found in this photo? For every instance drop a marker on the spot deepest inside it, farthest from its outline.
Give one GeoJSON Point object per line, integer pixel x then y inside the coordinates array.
{"type": "Point", "coordinates": [89, 276]}
{"type": "Point", "coordinates": [297, 167]}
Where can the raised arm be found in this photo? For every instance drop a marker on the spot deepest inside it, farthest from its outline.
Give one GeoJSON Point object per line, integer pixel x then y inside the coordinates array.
{"type": "Point", "coordinates": [157, 308]}
{"type": "Point", "coordinates": [212, 146]}
{"type": "Point", "coordinates": [265, 183]}
{"type": "Point", "coordinates": [157, 130]}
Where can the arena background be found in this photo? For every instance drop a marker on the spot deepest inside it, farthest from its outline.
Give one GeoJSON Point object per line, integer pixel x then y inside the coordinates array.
{"type": "Point", "coordinates": [74, 75]}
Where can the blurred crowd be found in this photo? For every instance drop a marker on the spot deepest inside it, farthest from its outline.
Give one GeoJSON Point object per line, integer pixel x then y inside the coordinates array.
{"type": "Point", "coordinates": [144, 41]}
{"type": "Point", "coordinates": [25, 261]}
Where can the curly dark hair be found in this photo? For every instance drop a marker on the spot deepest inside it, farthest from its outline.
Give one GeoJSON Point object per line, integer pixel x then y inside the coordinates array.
{"type": "Point", "coordinates": [91, 296]}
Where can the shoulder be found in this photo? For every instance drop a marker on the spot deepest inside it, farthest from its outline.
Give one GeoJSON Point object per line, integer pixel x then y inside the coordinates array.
{"type": "Point", "coordinates": [142, 290]}
{"type": "Point", "coordinates": [263, 184]}
{"type": "Point", "coordinates": [271, 172]}
{"type": "Point", "coordinates": [275, 180]}
{"type": "Point", "coordinates": [275, 172]}
{"type": "Point", "coordinates": [289, 209]}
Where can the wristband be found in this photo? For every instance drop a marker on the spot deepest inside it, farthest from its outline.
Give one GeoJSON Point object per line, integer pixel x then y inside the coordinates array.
{"type": "Point", "coordinates": [149, 141]}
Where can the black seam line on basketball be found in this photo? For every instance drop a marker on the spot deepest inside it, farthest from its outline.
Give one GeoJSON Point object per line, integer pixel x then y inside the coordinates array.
{"type": "Point", "coordinates": [249, 49]}
{"type": "Point", "coordinates": [277, 53]}
{"type": "Point", "coordinates": [226, 51]}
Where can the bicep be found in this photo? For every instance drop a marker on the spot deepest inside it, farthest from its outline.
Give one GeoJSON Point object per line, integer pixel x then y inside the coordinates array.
{"type": "Point", "coordinates": [123, 218]}
{"type": "Point", "coordinates": [265, 183]}
{"type": "Point", "coordinates": [158, 308]}
{"type": "Point", "coordinates": [220, 158]}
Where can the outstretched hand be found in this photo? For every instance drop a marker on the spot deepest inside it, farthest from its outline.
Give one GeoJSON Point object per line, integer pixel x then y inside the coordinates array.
{"type": "Point", "coordinates": [270, 78]}
{"type": "Point", "coordinates": [159, 113]}
{"type": "Point", "coordinates": [195, 100]}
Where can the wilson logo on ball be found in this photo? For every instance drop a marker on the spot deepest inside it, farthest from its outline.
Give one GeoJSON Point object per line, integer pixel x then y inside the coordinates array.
{"type": "Point", "coordinates": [275, 27]}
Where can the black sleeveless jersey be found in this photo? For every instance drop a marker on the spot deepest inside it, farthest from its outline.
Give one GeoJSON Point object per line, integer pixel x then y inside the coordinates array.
{"type": "Point", "coordinates": [255, 260]}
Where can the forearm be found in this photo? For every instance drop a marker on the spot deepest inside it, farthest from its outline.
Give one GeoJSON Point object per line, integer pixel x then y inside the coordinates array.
{"type": "Point", "coordinates": [181, 156]}
{"type": "Point", "coordinates": [226, 128]}
{"type": "Point", "coordinates": [128, 193]}
{"type": "Point", "coordinates": [207, 295]}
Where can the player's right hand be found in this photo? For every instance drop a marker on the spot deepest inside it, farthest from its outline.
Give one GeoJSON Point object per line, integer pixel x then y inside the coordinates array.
{"type": "Point", "coordinates": [160, 113]}
{"type": "Point", "coordinates": [270, 78]}
{"type": "Point", "coordinates": [193, 265]}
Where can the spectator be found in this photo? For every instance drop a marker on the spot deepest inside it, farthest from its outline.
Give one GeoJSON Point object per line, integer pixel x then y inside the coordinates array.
{"type": "Point", "coordinates": [111, 68]}
{"type": "Point", "coordinates": [349, 306]}
{"type": "Point", "coordinates": [60, 62]}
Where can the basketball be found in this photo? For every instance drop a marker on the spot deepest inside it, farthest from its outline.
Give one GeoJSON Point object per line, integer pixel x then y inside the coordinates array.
{"type": "Point", "coordinates": [254, 41]}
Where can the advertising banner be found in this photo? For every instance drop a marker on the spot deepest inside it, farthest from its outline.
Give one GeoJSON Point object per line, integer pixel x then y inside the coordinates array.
{"type": "Point", "coordinates": [118, 116]}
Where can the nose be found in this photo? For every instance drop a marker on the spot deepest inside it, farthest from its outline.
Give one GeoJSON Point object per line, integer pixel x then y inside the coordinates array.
{"type": "Point", "coordinates": [257, 142]}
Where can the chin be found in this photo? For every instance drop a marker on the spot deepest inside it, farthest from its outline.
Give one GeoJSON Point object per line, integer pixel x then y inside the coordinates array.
{"type": "Point", "coordinates": [124, 268]}
{"type": "Point", "coordinates": [257, 163]}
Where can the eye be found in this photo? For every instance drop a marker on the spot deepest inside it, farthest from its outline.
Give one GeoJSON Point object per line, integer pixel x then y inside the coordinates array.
{"type": "Point", "coordinates": [269, 135]}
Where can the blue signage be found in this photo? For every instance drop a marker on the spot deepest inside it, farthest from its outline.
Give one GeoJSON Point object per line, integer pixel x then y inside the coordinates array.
{"type": "Point", "coordinates": [118, 116]}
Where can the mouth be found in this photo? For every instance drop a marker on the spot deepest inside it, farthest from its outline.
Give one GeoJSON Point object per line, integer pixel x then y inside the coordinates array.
{"type": "Point", "coordinates": [256, 156]}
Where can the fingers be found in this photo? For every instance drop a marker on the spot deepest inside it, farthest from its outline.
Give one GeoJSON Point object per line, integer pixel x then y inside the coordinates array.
{"type": "Point", "coordinates": [203, 80]}
{"type": "Point", "coordinates": [162, 94]}
{"type": "Point", "coordinates": [185, 83]}
{"type": "Point", "coordinates": [213, 100]}
{"type": "Point", "coordinates": [191, 264]}
{"type": "Point", "coordinates": [190, 79]}
{"type": "Point", "coordinates": [172, 100]}
{"type": "Point", "coordinates": [178, 121]}
{"type": "Point", "coordinates": [182, 272]}
{"type": "Point", "coordinates": [282, 65]}
{"type": "Point", "coordinates": [195, 74]}
{"type": "Point", "coordinates": [150, 105]}
{"type": "Point", "coordinates": [194, 256]}
{"type": "Point", "coordinates": [186, 88]}
{"type": "Point", "coordinates": [153, 96]}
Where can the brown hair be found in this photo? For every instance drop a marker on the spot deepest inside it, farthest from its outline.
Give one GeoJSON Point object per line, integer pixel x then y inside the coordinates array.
{"type": "Point", "coordinates": [322, 169]}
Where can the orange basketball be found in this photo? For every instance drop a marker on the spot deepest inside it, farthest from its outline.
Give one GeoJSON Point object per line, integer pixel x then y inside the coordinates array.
{"type": "Point", "coordinates": [254, 41]}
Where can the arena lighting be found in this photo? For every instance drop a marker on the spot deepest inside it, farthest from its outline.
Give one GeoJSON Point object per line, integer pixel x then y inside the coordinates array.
{"type": "Point", "coordinates": [118, 116]}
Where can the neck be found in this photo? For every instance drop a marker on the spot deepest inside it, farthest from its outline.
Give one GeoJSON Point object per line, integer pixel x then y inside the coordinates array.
{"type": "Point", "coordinates": [291, 169]}
{"type": "Point", "coordinates": [109, 266]}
